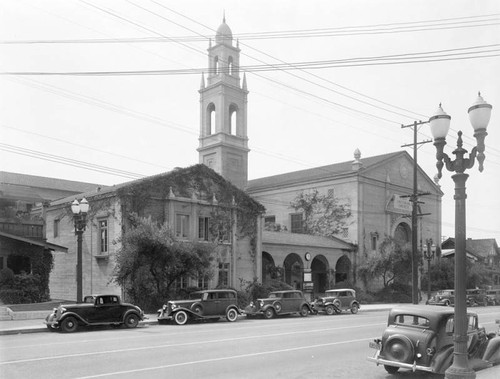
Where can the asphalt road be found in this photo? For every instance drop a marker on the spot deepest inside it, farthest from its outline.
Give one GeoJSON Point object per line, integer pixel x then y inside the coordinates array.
{"type": "Point", "coordinates": [293, 347]}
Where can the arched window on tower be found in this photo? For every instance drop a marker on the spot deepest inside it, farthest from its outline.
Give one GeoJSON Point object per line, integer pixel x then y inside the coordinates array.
{"type": "Point", "coordinates": [233, 113]}
{"type": "Point", "coordinates": [230, 65]}
{"type": "Point", "coordinates": [210, 127]}
{"type": "Point", "coordinates": [216, 65]}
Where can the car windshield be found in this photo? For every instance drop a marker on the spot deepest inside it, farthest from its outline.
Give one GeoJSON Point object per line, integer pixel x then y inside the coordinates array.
{"type": "Point", "coordinates": [195, 295]}
{"type": "Point", "coordinates": [273, 295]}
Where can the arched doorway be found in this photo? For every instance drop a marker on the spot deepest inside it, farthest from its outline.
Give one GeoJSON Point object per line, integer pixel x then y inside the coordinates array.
{"type": "Point", "coordinates": [402, 234]}
{"type": "Point", "coordinates": [343, 269]}
{"type": "Point", "coordinates": [268, 268]}
{"type": "Point", "coordinates": [319, 270]}
{"type": "Point", "coordinates": [294, 268]}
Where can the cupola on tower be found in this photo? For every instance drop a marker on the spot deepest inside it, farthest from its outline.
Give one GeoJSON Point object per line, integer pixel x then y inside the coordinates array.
{"type": "Point", "coordinates": [223, 111]}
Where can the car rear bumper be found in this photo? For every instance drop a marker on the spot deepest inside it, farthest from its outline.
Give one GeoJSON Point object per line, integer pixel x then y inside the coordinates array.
{"type": "Point", "coordinates": [410, 366]}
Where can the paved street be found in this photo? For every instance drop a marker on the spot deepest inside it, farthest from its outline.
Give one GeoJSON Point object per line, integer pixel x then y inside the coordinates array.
{"type": "Point", "coordinates": [313, 347]}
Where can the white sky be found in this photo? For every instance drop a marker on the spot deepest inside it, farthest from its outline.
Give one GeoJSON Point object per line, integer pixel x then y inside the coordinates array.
{"type": "Point", "coordinates": [147, 124]}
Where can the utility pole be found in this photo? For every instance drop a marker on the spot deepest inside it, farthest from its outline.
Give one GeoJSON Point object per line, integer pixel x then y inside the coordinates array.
{"type": "Point", "coordinates": [414, 214]}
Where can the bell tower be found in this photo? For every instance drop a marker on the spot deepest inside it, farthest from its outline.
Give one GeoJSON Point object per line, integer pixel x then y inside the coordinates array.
{"type": "Point", "coordinates": [223, 111]}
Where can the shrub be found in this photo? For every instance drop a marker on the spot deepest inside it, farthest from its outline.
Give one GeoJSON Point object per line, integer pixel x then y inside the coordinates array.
{"type": "Point", "coordinates": [395, 293]}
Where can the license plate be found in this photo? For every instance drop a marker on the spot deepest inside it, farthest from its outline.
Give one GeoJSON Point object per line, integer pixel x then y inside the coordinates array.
{"type": "Point", "coordinates": [374, 345]}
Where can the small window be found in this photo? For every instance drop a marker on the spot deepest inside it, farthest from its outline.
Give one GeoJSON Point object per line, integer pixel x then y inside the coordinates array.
{"type": "Point", "coordinates": [297, 223]}
{"type": "Point", "coordinates": [203, 228]}
{"type": "Point", "coordinates": [103, 236]}
{"type": "Point", "coordinates": [182, 226]}
{"type": "Point", "coordinates": [374, 242]}
{"type": "Point", "coordinates": [223, 274]}
{"type": "Point", "coordinates": [331, 193]}
{"type": "Point", "coordinates": [56, 228]}
{"type": "Point", "coordinates": [203, 281]}
{"type": "Point", "coordinates": [270, 219]}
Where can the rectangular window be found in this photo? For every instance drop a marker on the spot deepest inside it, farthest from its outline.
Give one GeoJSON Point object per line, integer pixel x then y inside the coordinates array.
{"type": "Point", "coordinates": [181, 282]}
{"type": "Point", "coordinates": [203, 281]}
{"type": "Point", "coordinates": [345, 232]}
{"type": "Point", "coordinates": [374, 242]}
{"type": "Point", "coordinates": [182, 226]}
{"type": "Point", "coordinates": [331, 192]}
{"type": "Point", "coordinates": [1, 263]}
{"type": "Point", "coordinates": [223, 274]}
{"type": "Point", "coordinates": [296, 223]}
{"type": "Point", "coordinates": [270, 219]}
{"type": "Point", "coordinates": [103, 236]}
{"type": "Point", "coordinates": [56, 228]}
{"type": "Point", "coordinates": [203, 228]}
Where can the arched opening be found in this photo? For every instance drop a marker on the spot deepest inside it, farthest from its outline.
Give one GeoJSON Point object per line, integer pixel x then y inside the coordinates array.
{"type": "Point", "coordinates": [319, 270]}
{"type": "Point", "coordinates": [233, 113]}
{"type": "Point", "coordinates": [343, 270]}
{"type": "Point", "coordinates": [269, 270]}
{"type": "Point", "coordinates": [294, 268]}
{"type": "Point", "coordinates": [210, 119]}
{"type": "Point", "coordinates": [216, 65]}
{"type": "Point", "coordinates": [230, 66]}
{"type": "Point", "coordinates": [402, 234]}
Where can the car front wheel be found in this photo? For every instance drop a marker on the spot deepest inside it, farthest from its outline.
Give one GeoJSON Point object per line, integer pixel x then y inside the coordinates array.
{"type": "Point", "coordinates": [69, 325]}
{"type": "Point", "coordinates": [181, 318]}
{"type": "Point", "coordinates": [269, 313]}
{"type": "Point", "coordinates": [231, 315]}
{"type": "Point", "coordinates": [330, 310]}
{"type": "Point", "coordinates": [131, 321]}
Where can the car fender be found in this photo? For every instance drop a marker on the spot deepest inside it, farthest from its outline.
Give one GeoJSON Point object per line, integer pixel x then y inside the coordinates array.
{"type": "Point", "coordinates": [308, 307]}
{"type": "Point", "coordinates": [233, 307]}
{"type": "Point", "coordinates": [441, 359]}
{"type": "Point", "coordinates": [196, 304]}
{"type": "Point", "coordinates": [72, 314]}
{"type": "Point", "coordinates": [337, 309]}
{"type": "Point", "coordinates": [492, 352]}
{"type": "Point", "coordinates": [187, 310]}
{"type": "Point", "coordinates": [266, 307]}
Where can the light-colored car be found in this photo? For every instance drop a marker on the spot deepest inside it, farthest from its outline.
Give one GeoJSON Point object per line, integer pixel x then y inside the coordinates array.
{"type": "Point", "coordinates": [336, 301]}
{"type": "Point", "coordinates": [420, 338]}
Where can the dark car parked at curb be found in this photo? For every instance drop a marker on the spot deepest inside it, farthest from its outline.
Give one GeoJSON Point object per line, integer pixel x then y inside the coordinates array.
{"type": "Point", "coordinates": [420, 338]}
{"type": "Point", "coordinates": [201, 305]}
{"type": "Point", "coordinates": [476, 297]}
{"type": "Point", "coordinates": [95, 310]}
{"type": "Point", "coordinates": [336, 301]}
{"type": "Point", "coordinates": [280, 303]}
{"type": "Point", "coordinates": [443, 297]}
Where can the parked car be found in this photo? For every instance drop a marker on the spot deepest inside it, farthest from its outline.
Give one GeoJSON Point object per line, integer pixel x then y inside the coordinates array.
{"type": "Point", "coordinates": [476, 297]}
{"type": "Point", "coordinates": [493, 296]}
{"type": "Point", "coordinates": [336, 301]}
{"type": "Point", "coordinates": [202, 305]}
{"type": "Point", "coordinates": [280, 303]}
{"type": "Point", "coordinates": [95, 310]}
{"type": "Point", "coordinates": [421, 338]}
{"type": "Point", "coordinates": [443, 297]}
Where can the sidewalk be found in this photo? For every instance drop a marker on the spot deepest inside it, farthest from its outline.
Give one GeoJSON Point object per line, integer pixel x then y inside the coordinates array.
{"type": "Point", "coordinates": [24, 324]}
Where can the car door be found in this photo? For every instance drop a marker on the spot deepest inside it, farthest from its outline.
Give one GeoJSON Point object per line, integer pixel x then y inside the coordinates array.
{"type": "Point", "coordinates": [224, 300]}
{"type": "Point", "coordinates": [107, 309]}
{"type": "Point", "coordinates": [210, 304]}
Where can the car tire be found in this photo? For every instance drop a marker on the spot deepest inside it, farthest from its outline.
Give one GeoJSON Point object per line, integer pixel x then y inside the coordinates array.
{"type": "Point", "coordinates": [391, 369]}
{"type": "Point", "coordinates": [69, 325]}
{"type": "Point", "coordinates": [269, 313]}
{"type": "Point", "coordinates": [330, 310]}
{"type": "Point", "coordinates": [131, 321]}
{"type": "Point", "coordinates": [304, 311]}
{"type": "Point", "coordinates": [446, 303]}
{"type": "Point", "coordinates": [181, 318]}
{"type": "Point", "coordinates": [354, 308]}
{"type": "Point", "coordinates": [232, 315]}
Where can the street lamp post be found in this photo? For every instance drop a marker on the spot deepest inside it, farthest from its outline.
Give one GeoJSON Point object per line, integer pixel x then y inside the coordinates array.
{"type": "Point", "coordinates": [429, 254]}
{"type": "Point", "coordinates": [479, 116]}
{"type": "Point", "coordinates": [80, 210]}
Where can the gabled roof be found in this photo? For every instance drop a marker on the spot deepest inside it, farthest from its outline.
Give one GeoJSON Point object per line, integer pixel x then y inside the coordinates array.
{"type": "Point", "coordinates": [296, 239]}
{"type": "Point", "coordinates": [322, 172]}
{"type": "Point", "coordinates": [45, 182]}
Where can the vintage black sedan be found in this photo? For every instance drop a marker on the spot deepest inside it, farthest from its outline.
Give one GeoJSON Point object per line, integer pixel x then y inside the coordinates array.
{"type": "Point", "coordinates": [420, 338]}
{"type": "Point", "coordinates": [95, 310]}
{"type": "Point", "coordinates": [280, 303]}
{"type": "Point", "coordinates": [201, 305]}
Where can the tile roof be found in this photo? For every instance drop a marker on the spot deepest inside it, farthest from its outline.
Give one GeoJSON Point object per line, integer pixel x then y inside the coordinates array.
{"type": "Point", "coordinates": [45, 182]}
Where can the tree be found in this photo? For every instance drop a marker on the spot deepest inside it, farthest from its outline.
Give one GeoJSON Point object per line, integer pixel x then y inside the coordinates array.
{"type": "Point", "coordinates": [151, 259]}
{"type": "Point", "coordinates": [391, 263]}
{"type": "Point", "coordinates": [324, 215]}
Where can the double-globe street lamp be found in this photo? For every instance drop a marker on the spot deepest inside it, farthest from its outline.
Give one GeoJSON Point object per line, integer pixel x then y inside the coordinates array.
{"type": "Point", "coordinates": [479, 116]}
{"type": "Point", "coordinates": [80, 210]}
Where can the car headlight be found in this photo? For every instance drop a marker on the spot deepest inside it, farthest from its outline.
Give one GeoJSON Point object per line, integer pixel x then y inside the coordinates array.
{"type": "Point", "coordinates": [173, 305]}
{"type": "Point", "coordinates": [261, 303]}
{"type": "Point", "coordinates": [251, 304]}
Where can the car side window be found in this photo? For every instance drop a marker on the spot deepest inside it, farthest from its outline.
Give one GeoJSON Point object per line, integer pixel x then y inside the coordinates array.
{"type": "Point", "coordinates": [450, 326]}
